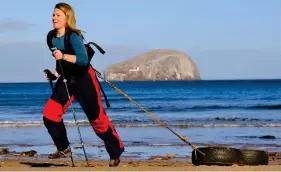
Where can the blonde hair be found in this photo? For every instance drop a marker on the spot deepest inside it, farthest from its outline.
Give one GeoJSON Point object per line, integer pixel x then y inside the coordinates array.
{"type": "Point", "coordinates": [70, 17]}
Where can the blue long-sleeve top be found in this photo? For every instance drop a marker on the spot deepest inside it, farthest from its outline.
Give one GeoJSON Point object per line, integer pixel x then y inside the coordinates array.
{"type": "Point", "coordinates": [78, 47]}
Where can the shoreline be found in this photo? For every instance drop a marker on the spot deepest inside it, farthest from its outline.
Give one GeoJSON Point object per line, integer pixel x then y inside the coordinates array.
{"type": "Point", "coordinates": [15, 161]}
{"type": "Point", "coordinates": [138, 152]}
{"type": "Point", "coordinates": [30, 164]}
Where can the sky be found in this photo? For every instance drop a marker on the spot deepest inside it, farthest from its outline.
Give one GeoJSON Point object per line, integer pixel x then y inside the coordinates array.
{"type": "Point", "coordinates": [227, 39]}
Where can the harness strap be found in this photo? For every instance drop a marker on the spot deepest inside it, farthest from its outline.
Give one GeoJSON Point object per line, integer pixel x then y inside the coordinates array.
{"type": "Point", "coordinates": [104, 95]}
{"type": "Point", "coordinates": [97, 46]}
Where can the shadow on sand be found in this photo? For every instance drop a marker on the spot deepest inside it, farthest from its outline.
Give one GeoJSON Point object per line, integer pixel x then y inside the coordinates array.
{"type": "Point", "coordinates": [36, 164]}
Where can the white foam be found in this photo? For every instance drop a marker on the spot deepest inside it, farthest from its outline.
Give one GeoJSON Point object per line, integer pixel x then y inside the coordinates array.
{"type": "Point", "coordinates": [85, 123]}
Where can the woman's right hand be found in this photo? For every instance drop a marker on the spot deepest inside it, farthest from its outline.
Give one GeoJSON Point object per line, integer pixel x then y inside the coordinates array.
{"type": "Point", "coordinates": [47, 78]}
{"type": "Point", "coordinates": [50, 76]}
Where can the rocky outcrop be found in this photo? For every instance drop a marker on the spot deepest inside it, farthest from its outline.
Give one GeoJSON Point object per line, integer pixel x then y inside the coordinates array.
{"type": "Point", "coordinates": [155, 65]}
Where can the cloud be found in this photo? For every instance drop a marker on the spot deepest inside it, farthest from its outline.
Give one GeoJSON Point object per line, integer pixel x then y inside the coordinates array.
{"type": "Point", "coordinates": [7, 25]}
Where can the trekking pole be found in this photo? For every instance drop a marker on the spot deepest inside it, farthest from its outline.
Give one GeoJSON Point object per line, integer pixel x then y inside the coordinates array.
{"type": "Point", "coordinates": [183, 138]}
{"type": "Point", "coordinates": [74, 116]}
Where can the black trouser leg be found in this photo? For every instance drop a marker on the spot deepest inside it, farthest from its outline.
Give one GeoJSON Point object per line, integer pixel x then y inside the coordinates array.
{"type": "Point", "coordinates": [112, 145]}
{"type": "Point", "coordinates": [58, 133]}
{"type": "Point", "coordinates": [87, 92]}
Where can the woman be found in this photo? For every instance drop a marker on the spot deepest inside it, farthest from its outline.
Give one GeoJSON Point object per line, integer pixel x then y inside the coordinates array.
{"type": "Point", "coordinates": [82, 86]}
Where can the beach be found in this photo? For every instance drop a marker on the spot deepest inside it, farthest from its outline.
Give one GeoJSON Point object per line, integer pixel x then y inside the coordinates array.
{"type": "Point", "coordinates": [126, 165]}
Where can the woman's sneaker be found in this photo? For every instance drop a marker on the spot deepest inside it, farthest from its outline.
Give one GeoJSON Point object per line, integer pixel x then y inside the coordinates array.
{"type": "Point", "coordinates": [114, 162]}
{"type": "Point", "coordinates": [61, 154]}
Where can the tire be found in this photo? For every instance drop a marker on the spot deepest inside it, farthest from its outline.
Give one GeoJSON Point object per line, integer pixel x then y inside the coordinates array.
{"type": "Point", "coordinates": [216, 156]}
{"type": "Point", "coordinates": [254, 157]}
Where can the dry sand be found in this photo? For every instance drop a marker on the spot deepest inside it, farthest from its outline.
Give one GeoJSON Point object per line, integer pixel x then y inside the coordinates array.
{"type": "Point", "coordinates": [127, 165]}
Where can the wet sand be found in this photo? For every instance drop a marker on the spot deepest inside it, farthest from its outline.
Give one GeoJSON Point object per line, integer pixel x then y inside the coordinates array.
{"type": "Point", "coordinates": [36, 164]}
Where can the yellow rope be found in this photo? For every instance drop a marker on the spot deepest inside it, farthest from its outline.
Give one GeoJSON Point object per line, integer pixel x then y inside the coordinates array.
{"type": "Point", "coordinates": [183, 138]}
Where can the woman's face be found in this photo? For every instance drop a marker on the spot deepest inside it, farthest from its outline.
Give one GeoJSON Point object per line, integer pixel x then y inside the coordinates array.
{"type": "Point", "coordinates": [59, 19]}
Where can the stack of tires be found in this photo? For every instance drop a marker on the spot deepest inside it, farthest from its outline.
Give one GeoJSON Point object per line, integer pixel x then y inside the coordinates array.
{"type": "Point", "coordinates": [229, 156]}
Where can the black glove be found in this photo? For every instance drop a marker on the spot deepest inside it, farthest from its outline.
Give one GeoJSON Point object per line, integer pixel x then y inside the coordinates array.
{"type": "Point", "coordinates": [50, 75]}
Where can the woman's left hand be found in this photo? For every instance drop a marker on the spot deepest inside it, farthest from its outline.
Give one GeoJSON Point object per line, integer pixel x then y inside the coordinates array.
{"type": "Point", "coordinates": [58, 54]}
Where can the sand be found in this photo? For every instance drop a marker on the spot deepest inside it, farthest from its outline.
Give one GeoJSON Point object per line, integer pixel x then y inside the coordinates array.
{"type": "Point", "coordinates": [31, 161]}
{"type": "Point", "coordinates": [31, 164]}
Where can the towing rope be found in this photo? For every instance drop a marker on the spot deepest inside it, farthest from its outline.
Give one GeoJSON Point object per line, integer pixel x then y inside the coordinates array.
{"type": "Point", "coordinates": [183, 138]}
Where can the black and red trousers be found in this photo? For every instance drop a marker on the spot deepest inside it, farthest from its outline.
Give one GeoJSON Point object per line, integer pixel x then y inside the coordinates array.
{"type": "Point", "coordinates": [86, 90]}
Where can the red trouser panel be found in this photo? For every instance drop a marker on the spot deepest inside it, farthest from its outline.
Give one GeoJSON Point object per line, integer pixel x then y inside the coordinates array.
{"type": "Point", "coordinates": [54, 110]}
{"type": "Point", "coordinates": [101, 124]}
{"type": "Point", "coordinates": [58, 103]}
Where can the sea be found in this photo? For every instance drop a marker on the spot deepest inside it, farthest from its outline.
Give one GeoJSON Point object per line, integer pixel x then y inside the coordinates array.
{"type": "Point", "coordinates": [230, 113]}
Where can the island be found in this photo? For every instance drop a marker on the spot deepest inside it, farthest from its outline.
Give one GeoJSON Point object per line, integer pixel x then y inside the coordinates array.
{"type": "Point", "coordinates": [154, 65]}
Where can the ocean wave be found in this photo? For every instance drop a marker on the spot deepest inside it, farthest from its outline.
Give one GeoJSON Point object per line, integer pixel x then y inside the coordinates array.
{"type": "Point", "coordinates": [169, 108]}
{"type": "Point", "coordinates": [187, 120]}
{"type": "Point", "coordinates": [155, 97]}
{"type": "Point", "coordinates": [266, 107]}
{"type": "Point", "coordinates": [184, 108]}
{"type": "Point", "coordinates": [125, 125]}
{"type": "Point", "coordinates": [22, 108]}
{"type": "Point", "coordinates": [238, 119]}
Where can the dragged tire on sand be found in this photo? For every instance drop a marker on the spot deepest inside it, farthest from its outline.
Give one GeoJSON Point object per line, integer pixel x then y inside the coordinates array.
{"type": "Point", "coordinates": [254, 157]}
{"type": "Point", "coordinates": [229, 156]}
{"type": "Point", "coordinates": [216, 156]}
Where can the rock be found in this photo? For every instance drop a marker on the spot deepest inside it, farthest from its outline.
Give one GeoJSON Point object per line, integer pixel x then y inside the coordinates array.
{"type": "Point", "coordinates": [29, 153]}
{"type": "Point", "coordinates": [274, 155]}
{"type": "Point", "coordinates": [4, 151]}
{"type": "Point", "coordinates": [77, 147]}
{"type": "Point", "coordinates": [268, 137]}
{"type": "Point", "coordinates": [155, 65]}
{"type": "Point", "coordinates": [171, 155]}
{"type": "Point", "coordinates": [155, 158]}
{"type": "Point", "coordinates": [167, 157]}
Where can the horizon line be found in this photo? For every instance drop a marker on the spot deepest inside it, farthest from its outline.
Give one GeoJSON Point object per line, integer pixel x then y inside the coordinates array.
{"type": "Point", "coordinates": [251, 79]}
